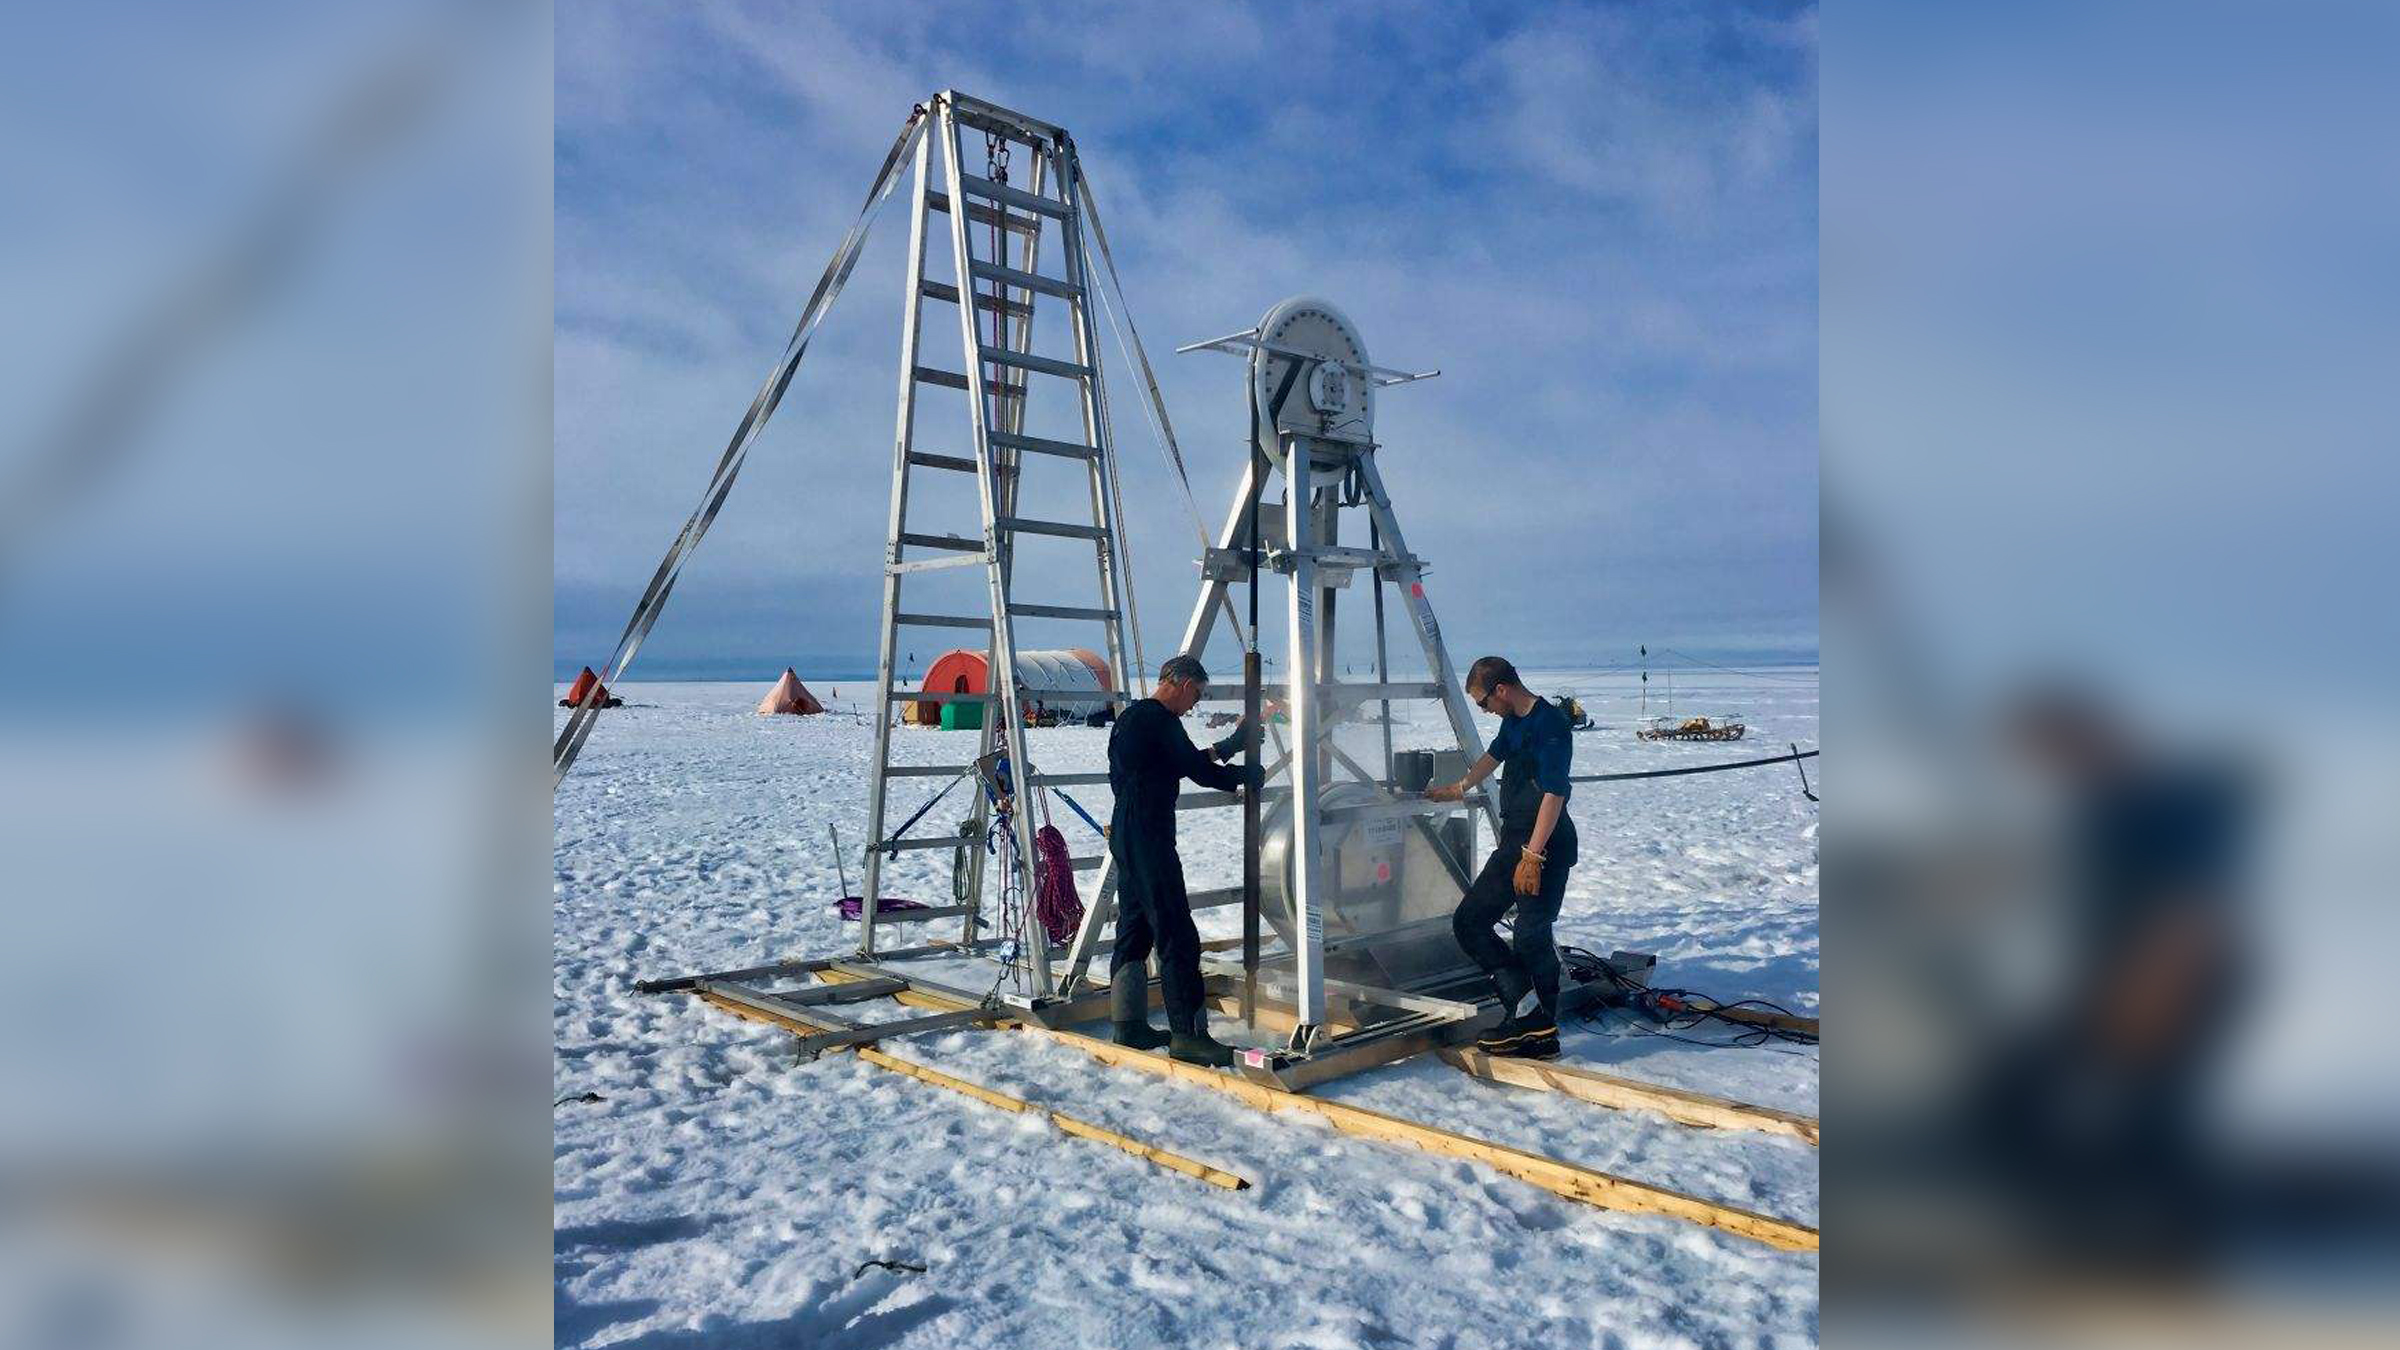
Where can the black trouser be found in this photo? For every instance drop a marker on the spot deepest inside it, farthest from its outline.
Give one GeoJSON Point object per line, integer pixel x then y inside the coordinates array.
{"type": "Point", "coordinates": [1154, 911]}
{"type": "Point", "coordinates": [1530, 959]}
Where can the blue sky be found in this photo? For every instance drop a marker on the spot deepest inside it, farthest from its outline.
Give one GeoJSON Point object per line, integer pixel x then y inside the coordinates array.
{"type": "Point", "coordinates": [1599, 221]}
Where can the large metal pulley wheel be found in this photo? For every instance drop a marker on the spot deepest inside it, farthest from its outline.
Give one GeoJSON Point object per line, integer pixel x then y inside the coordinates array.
{"type": "Point", "coordinates": [1331, 398]}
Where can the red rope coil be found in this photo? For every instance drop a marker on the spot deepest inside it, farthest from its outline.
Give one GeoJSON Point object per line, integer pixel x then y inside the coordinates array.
{"type": "Point", "coordinates": [1055, 903]}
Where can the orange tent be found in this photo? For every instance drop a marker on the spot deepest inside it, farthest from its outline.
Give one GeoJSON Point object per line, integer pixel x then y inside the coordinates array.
{"type": "Point", "coordinates": [789, 696]}
{"type": "Point", "coordinates": [957, 671]}
{"type": "Point", "coordinates": [960, 671]}
{"type": "Point", "coordinates": [583, 686]}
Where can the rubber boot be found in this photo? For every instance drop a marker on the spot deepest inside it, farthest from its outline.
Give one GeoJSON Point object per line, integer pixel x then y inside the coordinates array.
{"type": "Point", "coordinates": [1502, 1038]}
{"type": "Point", "coordinates": [1519, 1014]}
{"type": "Point", "coordinates": [1200, 1048]}
{"type": "Point", "coordinates": [1536, 1038]}
{"type": "Point", "coordinates": [1129, 1008]}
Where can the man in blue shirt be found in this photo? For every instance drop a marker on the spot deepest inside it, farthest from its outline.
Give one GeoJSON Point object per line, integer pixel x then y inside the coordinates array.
{"type": "Point", "coordinates": [1528, 868]}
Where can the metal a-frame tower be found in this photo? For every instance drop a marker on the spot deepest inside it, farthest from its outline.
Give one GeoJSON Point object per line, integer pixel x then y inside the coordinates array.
{"type": "Point", "coordinates": [1347, 844]}
{"type": "Point", "coordinates": [1359, 874]}
{"type": "Point", "coordinates": [1356, 864]}
{"type": "Point", "coordinates": [995, 231]}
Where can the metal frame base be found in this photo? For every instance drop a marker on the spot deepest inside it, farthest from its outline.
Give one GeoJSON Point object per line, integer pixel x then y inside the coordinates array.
{"type": "Point", "coordinates": [1368, 1026]}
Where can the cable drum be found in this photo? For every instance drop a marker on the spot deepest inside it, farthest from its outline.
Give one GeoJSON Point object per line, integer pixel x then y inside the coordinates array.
{"type": "Point", "coordinates": [1388, 885]}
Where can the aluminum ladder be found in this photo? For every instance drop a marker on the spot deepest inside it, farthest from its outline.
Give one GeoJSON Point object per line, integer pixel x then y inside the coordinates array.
{"type": "Point", "coordinates": [993, 289]}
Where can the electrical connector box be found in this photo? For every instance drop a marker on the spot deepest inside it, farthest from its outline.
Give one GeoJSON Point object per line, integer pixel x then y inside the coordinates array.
{"type": "Point", "coordinates": [1633, 967]}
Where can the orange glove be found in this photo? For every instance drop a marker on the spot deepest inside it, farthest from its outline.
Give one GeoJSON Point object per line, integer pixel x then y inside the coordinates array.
{"type": "Point", "coordinates": [1448, 792]}
{"type": "Point", "coordinates": [1529, 873]}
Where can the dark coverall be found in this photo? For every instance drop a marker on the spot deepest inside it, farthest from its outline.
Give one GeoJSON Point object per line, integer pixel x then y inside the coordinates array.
{"type": "Point", "coordinates": [1535, 752]}
{"type": "Point", "coordinates": [2103, 1140]}
{"type": "Point", "coordinates": [1149, 756]}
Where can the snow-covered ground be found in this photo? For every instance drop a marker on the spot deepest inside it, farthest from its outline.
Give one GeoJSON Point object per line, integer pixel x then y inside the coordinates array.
{"type": "Point", "coordinates": [720, 1194]}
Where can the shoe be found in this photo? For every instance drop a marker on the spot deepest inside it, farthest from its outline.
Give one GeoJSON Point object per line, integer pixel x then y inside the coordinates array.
{"type": "Point", "coordinates": [1200, 1048]}
{"type": "Point", "coordinates": [1502, 1037]}
{"type": "Point", "coordinates": [1514, 1031]}
{"type": "Point", "coordinates": [1532, 1045]}
{"type": "Point", "coordinates": [1140, 1036]}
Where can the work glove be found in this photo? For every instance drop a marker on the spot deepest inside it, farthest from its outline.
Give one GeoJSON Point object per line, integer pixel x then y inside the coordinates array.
{"type": "Point", "coordinates": [1529, 873]}
{"type": "Point", "coordinates": [1234, 746]}
{"type": "Point", "coordinates": [1448, 792]}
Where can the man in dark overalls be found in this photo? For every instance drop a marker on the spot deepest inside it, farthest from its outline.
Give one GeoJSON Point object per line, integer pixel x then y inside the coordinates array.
{"type": "Point", "coordinates": [1149, 756]}
{"type": "Point", "coordinates": [1528, 867]}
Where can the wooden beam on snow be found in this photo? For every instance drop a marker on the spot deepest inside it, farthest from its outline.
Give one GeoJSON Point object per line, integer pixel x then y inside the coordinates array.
{"type": "Point", "coordinates": [1067, 1124]}
{"type": "Point", "coordinates": [1559, 1178]}
{"type": "Point", "coordinates": [809, 1024]}
{"type": "Point", "coordinates": [1566, 1179]}
{"type": "Point", "coordinates": [1629, 1094]}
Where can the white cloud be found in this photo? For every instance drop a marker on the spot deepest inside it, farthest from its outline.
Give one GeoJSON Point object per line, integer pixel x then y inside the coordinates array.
{"type": "Point", "coordinates": [1601, 227]}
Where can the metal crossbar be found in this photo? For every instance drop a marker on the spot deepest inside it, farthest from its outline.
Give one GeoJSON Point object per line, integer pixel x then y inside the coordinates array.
{"type": "Point", "coordinates": [866, 1033]}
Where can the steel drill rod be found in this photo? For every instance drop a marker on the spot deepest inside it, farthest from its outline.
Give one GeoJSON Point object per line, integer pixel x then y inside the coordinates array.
{"type": "Point", "coordinates": [1250, 848]}
{"type": "Point", "coordinates": [1253, 719]}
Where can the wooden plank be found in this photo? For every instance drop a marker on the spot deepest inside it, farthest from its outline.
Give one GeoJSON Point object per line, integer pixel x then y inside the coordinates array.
{"type": "Point", "coordinates": [1628, 1094]}
{"type": "Point", "coordinates": [1083, 1129]}
{"type": "Point", "coordinates": [1559, 1178]}
{"type": "Point", "coordinates": [1067, 1124]}
{"type": "Point", "coordinates": [1566, 1179]}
